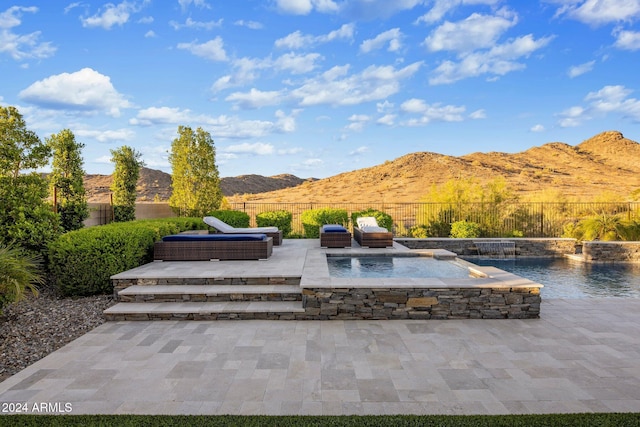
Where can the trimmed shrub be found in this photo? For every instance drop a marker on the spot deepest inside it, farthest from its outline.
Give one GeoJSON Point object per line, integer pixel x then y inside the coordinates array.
{"type": "Point", "coordinates": [237, 219]}
{"type": "Point", "coordinates": [465, 229]}
{"type": "Point", "coordinates": [313, 219]}
{"type": "Point", "coordinates": [383, 219]}
{"type": "Point", "coordinates": [81, 262]}
{"type": "Point", "coordinates": [281, 219]}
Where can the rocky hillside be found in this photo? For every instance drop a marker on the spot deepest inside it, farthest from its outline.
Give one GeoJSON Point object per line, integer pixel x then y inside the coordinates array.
{"type": "Point", "coordinates": [608, 162]}
{"type": "Point", "coordinates": [154, 184]}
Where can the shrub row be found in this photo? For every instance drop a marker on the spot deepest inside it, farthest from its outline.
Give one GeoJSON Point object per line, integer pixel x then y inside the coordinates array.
{"type": "Point", "coordinates": [81, 262]}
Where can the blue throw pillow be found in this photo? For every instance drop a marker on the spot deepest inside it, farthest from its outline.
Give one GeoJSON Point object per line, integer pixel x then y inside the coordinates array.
{"type": "Point", "coordinates": [333, 228]}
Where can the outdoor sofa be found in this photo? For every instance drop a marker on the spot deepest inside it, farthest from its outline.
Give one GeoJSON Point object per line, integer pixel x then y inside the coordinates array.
{"type": "Point", "coordinates": [334, 236]}
{"type": "Point", "coordinates": [225, 228]}
{"type": "Point", "coordinates": [205, 247]}
{"type": "Point", "coordinates": [368, 234]}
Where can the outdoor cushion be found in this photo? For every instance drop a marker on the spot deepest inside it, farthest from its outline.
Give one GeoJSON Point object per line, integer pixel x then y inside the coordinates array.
{"type": "Point", "coordinates": [333, 228]}
{"type": "Point", "coordinates": [367, 221]}
{"type": "Point", "coordinates": [371, 229]}
{"type": "Point", "coordinates": [223, 227]}
{"type": "Point", "coordinates": [213, 237]}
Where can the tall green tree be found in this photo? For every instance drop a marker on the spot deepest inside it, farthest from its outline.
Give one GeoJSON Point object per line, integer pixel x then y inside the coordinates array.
{"type": "Point", "coordinates": [195, 180]}
{"type": "Point", "coordinates": [26, 217]}
{"type": "Point", "coordinates": [20, 148]}
{"type": "Point", "coordinates": [66, 180]}
{"type": "Point", "coordinates": [125, 178]}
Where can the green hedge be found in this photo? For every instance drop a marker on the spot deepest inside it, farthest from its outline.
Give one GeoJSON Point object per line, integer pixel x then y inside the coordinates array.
{"type": "Point", "coordinates": [236, 219]}
{"type": "Point", "coordinates": [383, 219]}
{"type": "Point", "coordinates": [281, 219]}
{"type": "Point", "coordinates": [313, 219]}
{"type": "Point", "coordinates": [81, 262]}
{"type": "Point", "coordinates": [465, 230]}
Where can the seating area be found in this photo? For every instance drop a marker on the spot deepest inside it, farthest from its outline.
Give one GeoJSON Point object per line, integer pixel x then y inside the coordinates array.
{"type": "Point", "coordinates": [225, 228]}
{"type": "Point", "coordinates": [369, 234]}
{"type": "Point", "coordinates": [205, 247]}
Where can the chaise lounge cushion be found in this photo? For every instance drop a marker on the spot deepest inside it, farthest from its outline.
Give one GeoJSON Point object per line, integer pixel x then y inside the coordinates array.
{"type": "Point", "coordinates": [223, 227]}
{"type": "Point", "coordinates": [213, 237]}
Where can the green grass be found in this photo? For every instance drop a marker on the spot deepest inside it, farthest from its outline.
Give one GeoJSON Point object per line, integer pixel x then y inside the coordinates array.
{"type": "Point", "coordinates": [560, 420]}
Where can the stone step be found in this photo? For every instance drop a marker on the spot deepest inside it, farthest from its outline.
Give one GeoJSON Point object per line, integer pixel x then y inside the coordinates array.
{"type": "Point", "coordinates": [272, 310]}
{"type": "Point", "coordinates": [209, 293]}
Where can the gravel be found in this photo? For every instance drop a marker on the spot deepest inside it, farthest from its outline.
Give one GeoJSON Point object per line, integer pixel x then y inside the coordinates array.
{"type": "Point", "coordinates": [36, 327]}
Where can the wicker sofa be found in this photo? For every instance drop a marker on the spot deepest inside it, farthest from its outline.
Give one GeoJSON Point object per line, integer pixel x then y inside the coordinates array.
{"type": "Point", "coordinates": [205, 247]}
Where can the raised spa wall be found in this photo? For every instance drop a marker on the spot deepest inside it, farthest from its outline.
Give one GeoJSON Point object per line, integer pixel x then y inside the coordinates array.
{"type": "Point", "coordinates": [535, 247]}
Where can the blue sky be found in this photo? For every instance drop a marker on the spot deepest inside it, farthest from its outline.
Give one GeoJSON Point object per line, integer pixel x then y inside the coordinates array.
{"type": "Point", "coordinates": [319, 87]}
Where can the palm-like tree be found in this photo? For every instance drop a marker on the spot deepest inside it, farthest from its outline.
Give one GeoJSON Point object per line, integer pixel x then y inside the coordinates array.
{"type": "Point", "coordinates": [19, 272]}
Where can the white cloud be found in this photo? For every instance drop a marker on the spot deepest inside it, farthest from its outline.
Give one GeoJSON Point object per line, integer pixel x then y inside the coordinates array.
{"type": "Point", "coordinates": [600, 12]}
{"type": "Point", "coordinates": [475, 32]}
{"type": "Point", "coordinates": [387, 120]}
{"type": "Point", "coordinates": [110, 15]}
{"type": "Point", "coordinates": [258, 148]}
{"type": "Point", "coordinates": [336, 87]}
{"type": "Point", "coordinates": [627, 40]}
{"type": "Point", "coordinates": [222, 126]}
{"type": "Point", "coordinates": [196, 25]}
{"type": "Point", "coordinates": [21, 46]}
{"type": "Point", "coordinates": [393, 37]}
{"type": "Point", "coordinates": [212, 50]}
{"type": "Point", "coordinates": [497, 61]}
{"type": "Point", "coordinates": [537, 128]}
{"type": "Point", "coordinates": [304, 7]}
{"type": "Point", "coordinates": [106, 136]}
{"type": "Point", "coordinates": [297, 40]}
{"type": "Point", "coordinates": [184, 4]}
{"type": "Point", "coordinates": [84, 90]}
{"type": "Point", "coordinates": [359, 151]}
{"type": "Point", "coordinates": [358, 121]}
{"type": "Point", "coordinates": [612, 99]}
{"type": "Point", "coordinates": [442, 7]}
{"type": "Point", "coordinates": [252, 25]}
{"type": "Point", "coordinates": [295, 64]}
{"type": "Point", "coordinates": [430, 112]}
{"type": "Point", "coordinates": [255, 98]}
{"type": "Point", "coordinates": [478, 114]}
{"type": "Point", "coordinates": [149, 34]}
{"type": "Point", "coordinates": [578, 70]}
{"type": "Point", "coordinates": [383, 107]}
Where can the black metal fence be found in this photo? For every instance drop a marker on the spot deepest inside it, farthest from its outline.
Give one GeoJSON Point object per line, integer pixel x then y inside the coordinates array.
{"type": "Point", "coordinates": [434, 219]}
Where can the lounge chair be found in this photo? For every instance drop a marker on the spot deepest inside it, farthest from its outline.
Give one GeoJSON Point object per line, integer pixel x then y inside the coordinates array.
{"type": "Point", "coordinates": [334, 236]}
{"type": "Point", "coordinates": [369, 234]}
{"type": "Point", "coordinates": [225, 228]}
{"type": "Point", "coordinates": [205, 247]}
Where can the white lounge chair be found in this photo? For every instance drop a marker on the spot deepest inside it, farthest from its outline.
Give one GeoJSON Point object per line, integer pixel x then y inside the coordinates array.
{"type": "Point", "coordinates": [225, 228]}
{"type": "Point", "coordinates": [368, 233]}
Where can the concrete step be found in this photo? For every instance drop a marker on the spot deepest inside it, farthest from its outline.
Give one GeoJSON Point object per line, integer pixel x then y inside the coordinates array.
{"type": "Point", "coordinates": [272, 310]}
{"type": "Point", "coordinates": [209, 293]}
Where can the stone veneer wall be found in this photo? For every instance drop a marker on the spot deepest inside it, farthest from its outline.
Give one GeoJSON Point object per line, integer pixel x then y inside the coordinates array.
{"type": "Point", "coordinates": [540, 247]}
{"type": "Point", "coordinates": [429, 303]}
{"type": "Point", "coordinates": [605, 252]}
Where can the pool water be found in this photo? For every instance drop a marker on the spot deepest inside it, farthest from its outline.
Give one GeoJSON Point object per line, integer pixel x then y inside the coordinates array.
{"type": "Point", "coordinates": [396, 266]}
{"type": "Point", "coordinates": [563, 278]}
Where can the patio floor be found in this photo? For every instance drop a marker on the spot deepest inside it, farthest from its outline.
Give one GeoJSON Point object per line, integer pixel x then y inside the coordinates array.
{"type": "Point", "coordinates": [581, 356]}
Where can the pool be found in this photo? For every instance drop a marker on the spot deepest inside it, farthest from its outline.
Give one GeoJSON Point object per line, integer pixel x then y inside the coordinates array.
{"type": "Point", "coordinates": [394, 266]}
{"type": "Point", "coordinates": [563, 278]}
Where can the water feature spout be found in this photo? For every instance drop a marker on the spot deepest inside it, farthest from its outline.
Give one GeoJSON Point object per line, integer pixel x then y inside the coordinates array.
{"type": "Point", "coordinates": [500, 249]}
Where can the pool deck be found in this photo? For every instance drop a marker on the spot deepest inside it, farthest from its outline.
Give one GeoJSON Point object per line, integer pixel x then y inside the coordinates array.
{"type": "Point", "coordinates": [580, 356]}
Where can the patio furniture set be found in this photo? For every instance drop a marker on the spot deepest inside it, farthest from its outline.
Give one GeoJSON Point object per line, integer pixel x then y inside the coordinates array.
{"type": "Point", "coordinates": [231, 243]}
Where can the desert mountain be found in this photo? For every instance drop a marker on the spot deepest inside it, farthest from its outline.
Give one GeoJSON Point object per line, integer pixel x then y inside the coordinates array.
{"type": "Point", "coordinates": [154, 182]}
{"type": "Point", "coordinates": [607, 162]}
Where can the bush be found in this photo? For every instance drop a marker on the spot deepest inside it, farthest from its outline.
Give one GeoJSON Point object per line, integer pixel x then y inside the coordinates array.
{"type": "Point", "coordinates": [465, 229]}
{"type": "Point", "coordinates": [237, 219]}
{"type": "Point", "coordinates": [313, 219]}
{"type": "Point", "coordinates": [383, 219]}
{"type": "Point", "coordinates": [19, 271]}
{"type": "Point", "coordinates": [81, 262]}
{"type": "Point", "coordinates": [281, 219]}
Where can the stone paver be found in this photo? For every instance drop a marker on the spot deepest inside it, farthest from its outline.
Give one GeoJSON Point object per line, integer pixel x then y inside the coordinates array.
{"type": "Point", "coordinates": [581, 356]}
